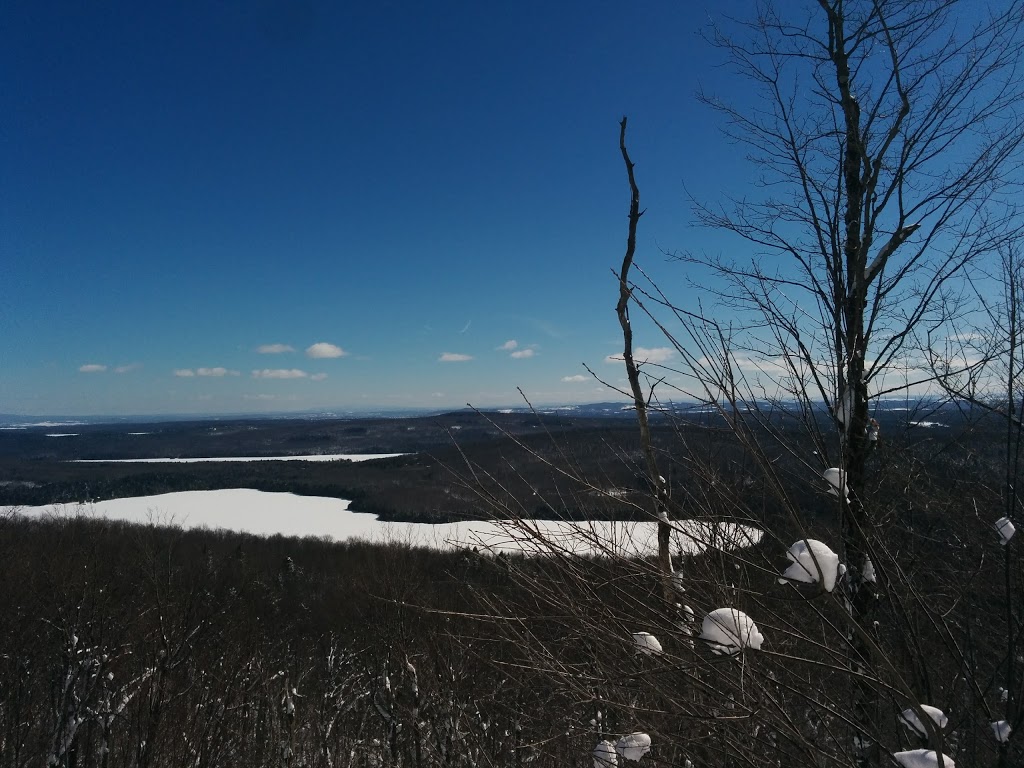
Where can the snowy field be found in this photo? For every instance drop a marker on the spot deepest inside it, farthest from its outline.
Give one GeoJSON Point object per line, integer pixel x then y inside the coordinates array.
{"type": "Point", "coordinates": [267, 514]}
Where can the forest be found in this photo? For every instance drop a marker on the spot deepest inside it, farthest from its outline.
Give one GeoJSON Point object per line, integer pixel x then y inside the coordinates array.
{"type": "Point", "coordinates": [152, 646]}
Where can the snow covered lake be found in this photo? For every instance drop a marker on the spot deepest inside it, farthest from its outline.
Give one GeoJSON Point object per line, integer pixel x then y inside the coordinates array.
{"type": "Point", "coordinates": [267, 514]}
{"type": "Point", "coordinates": [312, 457]}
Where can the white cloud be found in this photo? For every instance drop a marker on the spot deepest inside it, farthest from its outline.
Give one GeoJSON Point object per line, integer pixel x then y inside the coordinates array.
{"type": "Point", "coordinates": [279, 373]}
{"type": "Point", "coordinates": [318, 376]}
{"type": "Point", "coordinates": [184, 373]}
{"type": "Point", "coordinates": [521, 353]}
{"type": "Point", "coordinates": [127, 368]}
{"type": "Point", "coordinates": [216, 372]}
{"type": "Point", "coordinates": [92, 368]}
{"type": "Point", "coordinates": [274, 349]}
{"type": "Point", "coordinates": [323, 349]}
{"type": "Point", "coordinates": [571, 379]}
{"type": "Point", "coordinates": [508, 346]}
{"type": "Point", "coordinates": [453, 357]}
{"type": "Point", "coordinates": [642, 355]}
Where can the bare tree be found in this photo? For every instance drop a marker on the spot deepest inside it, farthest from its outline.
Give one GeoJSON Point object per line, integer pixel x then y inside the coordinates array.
{"type": "Point", "coordinates": [887, 133]}
{"type": "Point", "coordinates": [888, 136]}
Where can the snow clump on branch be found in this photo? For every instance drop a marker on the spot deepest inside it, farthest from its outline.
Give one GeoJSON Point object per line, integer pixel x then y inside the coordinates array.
{"type": "Point", "coordinates": [1001, 730]}
{"type": "Point", "coordinates": [922, 758]}
{"type": "Point", "coordinates": [604, 755]}
{"type": "Point", "coordinates": [811, 562]}
{"type": "Point", "coordinates": [1005, 529]}
{"type": "Point", "coordinates": [729, 630]}
{"type": "Point", "coordinates": [910, 719]}
{"type": "Point", "coordinates": [633, 746]}
{"type": "Point", "coordinates": [836, 479]}
{"type": "Point", "coordinates": [646, 643]}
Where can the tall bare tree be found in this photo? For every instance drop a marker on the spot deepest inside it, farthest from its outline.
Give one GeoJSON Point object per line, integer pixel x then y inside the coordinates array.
{"type": "Point", "coordinates": [887, 134]}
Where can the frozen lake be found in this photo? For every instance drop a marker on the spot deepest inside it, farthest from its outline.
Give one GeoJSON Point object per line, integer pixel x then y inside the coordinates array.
{"type": "Point", "coordinates": [266, 514]}
{"type": "Point", "coordinates": [311, 457]}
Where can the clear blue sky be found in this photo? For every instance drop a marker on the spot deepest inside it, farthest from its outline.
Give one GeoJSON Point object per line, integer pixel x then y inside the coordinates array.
{"type": "Point", "coordinates": [431, 192]}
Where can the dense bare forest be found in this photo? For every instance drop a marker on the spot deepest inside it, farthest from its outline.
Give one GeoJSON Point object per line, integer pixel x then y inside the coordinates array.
{"type": "Point", "coordinates": [126, 645]}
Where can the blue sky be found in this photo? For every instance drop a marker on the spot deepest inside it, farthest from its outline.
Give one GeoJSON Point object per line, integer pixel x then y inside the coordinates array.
{"type": "Point", "coordinates": [418, 203]}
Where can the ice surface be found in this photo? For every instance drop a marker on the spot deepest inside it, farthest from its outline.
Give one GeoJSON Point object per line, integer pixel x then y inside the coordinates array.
{"type": "Point", "coordinates": [266, 514]}
{"type": "Point", "coordinates": [312, 457]}
{"type": "Point", "coordinates": [730, 630]}
{"type": "Point", "coordinates": [634, 746]}
{"type": "Point", "coordinates": [811, 562]}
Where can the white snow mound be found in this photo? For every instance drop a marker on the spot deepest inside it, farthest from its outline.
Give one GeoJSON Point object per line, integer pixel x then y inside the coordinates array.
{"type": "Point", "coordinates": [646, 643]}
{"type": "Point", "coordinates": [1005, 529]}
{"type": "Point", "coordinates": [910, 719]}
{"type": "Point", "coordinates": [836, 478]}
{"type": "Point", "coordinates": [844, 408]}
{"type": "Point", "coordinates": [1001, 730]}
{"type": "Point", "coordinates": [922, 758]}
{"type": "Point", "coordinates": [633, 746]}
{"type": "Point", "coordinates": [812, 562]}
{"type": "Point", "coordinates": [604, 755]}
{"type": "Point", "coordinates": [729, 630]}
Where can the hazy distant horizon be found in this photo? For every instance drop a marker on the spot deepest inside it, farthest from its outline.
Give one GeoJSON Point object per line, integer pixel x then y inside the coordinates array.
{"type": "Point", "coordinates": [66, 419]}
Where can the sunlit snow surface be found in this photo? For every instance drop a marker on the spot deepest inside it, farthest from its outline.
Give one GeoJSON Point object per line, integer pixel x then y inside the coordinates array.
{"type": "Point", "coordinates": [267, 514]}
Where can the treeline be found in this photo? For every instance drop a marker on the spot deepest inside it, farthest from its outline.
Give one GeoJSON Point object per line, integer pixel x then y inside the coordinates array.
{"type": "Point", "coordinates": [591, 473]}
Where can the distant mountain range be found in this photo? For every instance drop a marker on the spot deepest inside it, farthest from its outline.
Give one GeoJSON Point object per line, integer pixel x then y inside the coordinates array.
{"type": "Point", "coordinates": [611, 409]}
